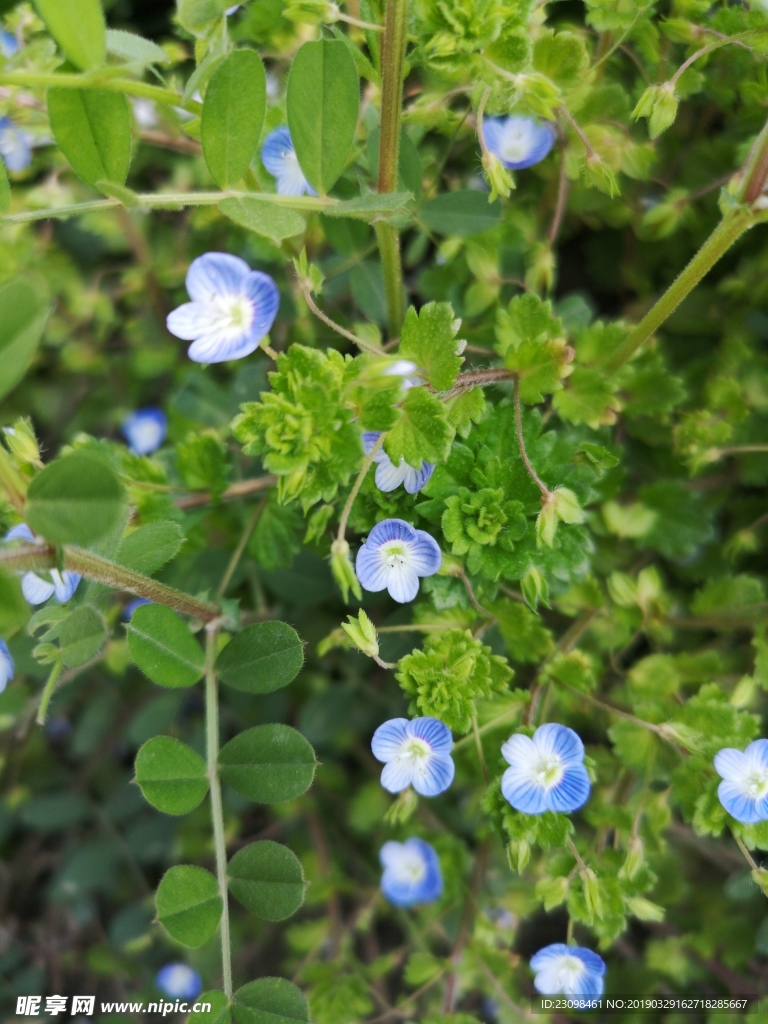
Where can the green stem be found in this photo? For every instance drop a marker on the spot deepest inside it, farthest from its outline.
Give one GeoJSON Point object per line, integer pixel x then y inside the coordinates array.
{"type": "Point", "coordinates": [48, 691]}
{"type": "Point", "coordinates": [356, 488]}
{"type": "Point", "coordinates": [217, 810]}
{"type": "Point", "coordinates": [97, 80]}
{"type": "Point", "coordinates": [479, 746]}
{"type": "Point", "coordinates": [392, 63]}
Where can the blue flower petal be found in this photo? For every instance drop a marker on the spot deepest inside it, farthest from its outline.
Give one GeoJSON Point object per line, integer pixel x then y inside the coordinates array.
{"type": "Point", "coordinates": [731, 764]}
{"type": "Point", "coordinates": [279, 157]}
{"type": "Point", "coordinates": [560, 741]}
{"type": "Point", "coordinates": [426, 558]}
{"type": "Point", "coordinates": [518, 142]}
{"type": "Point", "coordinates": [9, 44]}
{"type": "Point", "coordinates": [189, 320]}
{"type": "Point", "coordinates": [371, 570]}
{"type": "Point", "coordinates": [389, 738]}
{"type": "Point", "coordinates": [432, 777]}
{"type": "Point", "coordinates": [369, 439]}
{"type": "Point", "coordinates": [522, 793]}
{"type": "Point", "coordinates": [145, 430]}
{"type": "Point", "coordinates": [737, 803]}
{"type": "Point", "coordinates": [757, 754]}
{"type": "Point", "coordinates": [402, 583]}
{"type": "Point", "coordinates": [432, 731]}
{"type": "Point", "coordinates": [391, 529]}
{"type": "Point", "coordinates": [131, 607]}
{"type": "Point", "coordinates": [35, 589]}
{"type": "Point", "coordinates": [6, 665]}
{"type": "Point", "coordinates": [265, 296]}
{"type": "Point", "coordinates": [411, 873]}
{"type": "Point", "coordinates": [572, 792]}
{"type": "Point", "coordinates": [568, 970]}
{"type": "Point", "coordinates": [64, 584]}
{"type": "Point", "coordinates": [388, 476]}
{"type": "Point", "coordinates": [415, 479]}
{"type": "Point", "coordinates": [398, 775]}
{"type": "Point", "coordinates": [20, 532]}
{"type": "Point", "coordinates": [15, 149]}
{"type": "Point", "coordinates": [179, 981]}
{"type": "Point", "coordinates": [215, 275]}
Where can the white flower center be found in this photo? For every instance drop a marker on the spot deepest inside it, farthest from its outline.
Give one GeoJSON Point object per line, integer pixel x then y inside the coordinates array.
{"type": "Point", "coordinates": [395, 554]}
{"type": "Point", "coordinates": [145, 434]}
{"type": "Point", "coordinates": [410, 868]}
{"type": "Point", "coordinates": [548, 773]}
{"type": "Point", "coordinates": [756, 783]}
{"type": "Point", "coordinates": [570, 971]}
{"type": "Point", "coordinates": [234, 313]}
{"type": "Point", "coordinates": [515, 145]}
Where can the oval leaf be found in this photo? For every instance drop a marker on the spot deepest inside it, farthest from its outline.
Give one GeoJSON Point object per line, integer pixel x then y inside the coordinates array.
{"type": "Point", "coordinates": [150, 547]}
{"type": "Point", "coordinates": [261, 658]}
{"type": "Point", "coordinates": [268, 764]}
{"type": "Point", "coordinates": [188, 904]}
{"type": "Point", "coordinates": [92, 129]}
{"type": "Point", "coordinates": [172, 776]}
{"type": "Point", "coordinates": [233, 116]}
{"type": "Point", "coordinates": [163, 646]}
{"type": "Point", "coordinates": [219, 1012]}
{"type": "Point", "coordinates": [323, 99]}
{"type": "Point", "coordinates": [81, 636]}
{"type": "Point", "coordinates": [263, 217]}
{"type": "Point", "coordinates": [23, 315]}
{"type": "Point", "coordinates": [270, 1001]}
{"type": "Point", "coordinates": [462, 213]}
{"type": "Point", "coordinates": [268, 879]}
{"type": "Point", "coordinates": [135, 49]}
{"type": "Point", "coordinates": [75, 500]}
{"type": "Point", "coordinates": [78, 27]}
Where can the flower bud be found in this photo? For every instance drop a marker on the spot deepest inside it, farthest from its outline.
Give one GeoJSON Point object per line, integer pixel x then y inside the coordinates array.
{"type": "Point", "coordinates": [499, 178]}
{"type": "Point", "coordinates": [362, 634]}
{"type": "Point", "coordinates": [623, 590]}
{"type": "Point", "coordinates": [659, 104]}
{"type": "Point", "coordinates": [635, 858]}
{"type": "Point", "coordinates": [22, 443]}
{"type": "Point", "coordinates": [643, 909]}
{"type": "Point", "coordinates": [540, 275]}
{"type": "Point", "coordinates": [402, 809]}
{"type": "Point", "coordinates": [535, 589]}
{"type": "Point", "coordinates": [683, 735]}
{"type": "Point", "coordinates": [343, 570]}
{"type": "Point", "coordinates": [592, 896]}
{"type": "Point", "coordinates": [518, 855]}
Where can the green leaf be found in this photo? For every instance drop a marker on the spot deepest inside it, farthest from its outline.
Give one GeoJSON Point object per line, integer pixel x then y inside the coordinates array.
{"type": "Point", "coordinates": [5, 190]}
{"type": "Point", "coordinates": [188, 904]}
{"type": "Point", "coordinates": [264, 217]}
{"type": "Point", "coordinates": [373, 207]}
{"type": "Point", "coordinates": [268, 764]}
{"type": "Point", "coordinates": [562, 57]}
{"type": "Point", "coordinates": [587, 399]}
{"type": "Point", "coordinates": [77, 499]}
{"type": "Point", "coordinates": [150, 547]}
{"type": "Point", "coordinates": [429, 339]}
{"type": "Point", "coordinates": [465, 212]}
{"type": "Point", "coordinates": [14, 610]}
{"type": "Point", "coordinates": [530, 340]}
{"type": "Point", "coordinates": [81, 636]}
{"type": "Point", "coordinates": [163, 646]}
{"type": "Point", "coordinates": [92, 128]}
{"type": "Point", "coordinates": [172, 776]}
{"type": "Point", "coordinates": [270, 1001]}
{"type": "Point", "coordinates": [268, 879]}
{"type": "Point", "coordinates": [466, 409]}
{"type": "Point", "coordinates": [323, 100]}
{"type": "Point", "coordinates": [196, 15]}
{"type": "Point", "coordinates": [24, 313]}
{"type": "Point", "coordinates": [219, 1012]}
{"type": "Point", "coordinates": [135, 48]}
{"type": "Point", "coordinates": [79, 29]}
{"type": "Point", "coordinates": [261, 658]}
{"type": "Point", "coordinates": [423, 433]}
{"type": "Point", "coordinates": [233, 116]}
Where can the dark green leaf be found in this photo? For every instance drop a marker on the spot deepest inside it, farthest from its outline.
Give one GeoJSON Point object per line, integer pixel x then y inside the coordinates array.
{"type": "Point", "coordinates": [81, 636]}
{"type": "Point", "coordinates": [465, 212]}
{"type": "Point", "coordinates": [268, 879]}
{"type": "Point", "coordinates": [150, 547]}
{"type": "Point", "coordinates": [163, 647]}
{"type": "Point", "coordinates": [264, 217]}
{"type": "Point", "coordinates": [261, 658]}
{"type": "Point", "coordinates": [270, 1001]}
{"type": "Point", "coordinates": [233, 116]}
{"type": "Point", "coordinates": [188, 903]}
{"type": "Point", "coordinates": [92, 129]}
{"type": "Point", "coordinates": [23, 315]}
{"type": "Point", "coordinates": [268, 764]}
{"type": "Point", "coordinates": [79, 29]}
{"type": "Point", "coordinates": [172, 776]}
{"type": "Point", "coordinates": [14, 610]}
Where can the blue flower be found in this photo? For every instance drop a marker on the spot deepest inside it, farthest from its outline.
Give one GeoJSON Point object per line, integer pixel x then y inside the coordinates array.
{"type": "Point", "coordinates": [279, 158]}
{"type": "Point", "coordinates": [145, 430]}
{"type": "Point", "coordinates": [179, 981]}
{"type": "Point", "coordinates": [518, 142]}
{"type": "Point", "coordinates": [6, 665]}
{"type": "Point", "coordinates": [388, 475]}
{"type": "Point", "coordinates": [546, 772]}
{"type": "Point", "coordinates": [393, 558]}
{"type": "Point", "coordinates": [131, 607]}
{"type": "Point", "coordinates": [15, 150]}
{"type": "Point", "coordinates": [232, 308]}
{"type": "Point", "coordinates": [37, 589]}
{"type": "Point", "coordinates": [568, 970]}
{"type": "Point", "coordinates": [416, 753]}
{"type": "Point", "coordinates": [744, 789]}
{"type": "Point", "coordinates": [411, 873]}
{"type": "Point", "coordinates": [9, 45]}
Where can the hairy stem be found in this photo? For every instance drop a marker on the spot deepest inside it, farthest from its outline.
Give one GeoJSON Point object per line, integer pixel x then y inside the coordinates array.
{"type": "Point", "coordinates": [97, 80]}
{"type": "Point", "coordinates": [545, 492]}
{"type": "Point", "coordinates": [356, 489]}
{"type": "Point", "coordinates": [364, 345]}
{"type": "Point", "coordinates": [48, 691]}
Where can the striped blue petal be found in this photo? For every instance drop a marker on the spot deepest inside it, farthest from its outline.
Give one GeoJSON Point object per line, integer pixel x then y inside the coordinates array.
{"type": "Point", "coordinates": [432, 731]}
{"type": "Point", "coordinates": [402, 583]}
{"type": "Point", "coordinates": [35, 589]}
{"type": "Point", "coordinates": [279, 157]}
{"type": "Point", "coordinates": [560, 741]}
{"type": "Point", "coordinates": [757, 754]}
{"type": "Point", "coordinates": [572, 792]}
{"type": "Point", "coordinates": [389, 476]}
{"type": "Point", "coordinates": [427, 557]}
{"type": "Point", "coordinates": [522, 793]}
{"type": "Point", "coordinates": [64, 584]}
{"type": "Point", "coordinates": [739, 804]}
{"type": "Point", "coordinates": [389, 530]}
{"type": "Point", "coordinates": [20, 532]}
{"type": "Point", "coordinates": [6, 665]}
{"type": "Point", "coordinates": [415, 479]}
{"type": "Point", "coordinates": [389, 738]}
{"type": "Point", "coordinates": [433, 776]}
{"type": "Point", "coordinates": [398, 775]}
{"type": "Point", "coordinates": [215, 275]}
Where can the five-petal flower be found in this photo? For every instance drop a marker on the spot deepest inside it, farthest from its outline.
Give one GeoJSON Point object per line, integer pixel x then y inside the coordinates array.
{"type": "Point", "coordinates": [416, 753]}
{"type": "Point", "coordinates": [279, 158]}
{"type": "Point", "coordinates": [412, 872]}
{"type": "Point", "coordinates": [518, 142]}
{"type": "Point", "coordinates": [179, 981]}
{"type": "Point", "coordinates": [232, 308]}
{"type": "Point", "coordinates": [6, 665]}
{"type": "Point", "coordinates": [546, 772]}
{"type": "Point", "coordinates": [145, 430]}
{"type": "Point", "coordinates": [744, 789]}
{"type": "Point", "coordinates": [388, 475]}
{"type": "Point", "coordinates": [393, 558]}
{"type": "Point", "coordinates": [37, 589]}
{"type": "Point", "coordinates": [15, 149]}
{"type": "Point", "coordinates": [568, 970]}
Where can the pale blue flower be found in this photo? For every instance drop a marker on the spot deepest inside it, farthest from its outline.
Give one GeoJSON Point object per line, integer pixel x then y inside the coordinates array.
{"type": "Point", "coordinates": [393, 558]}
{"type": "Point", "coordinates": [9, 45]}
{"type": "Point", "coordinates": [15, 149]}
{"type": "Point", "coordinates": [546, 772]}
{"type": "Point", "coordinates": [416, 753]}
{"type": "Point", "coordinates": [145, 430]}
{"type": "Point", "coordinates": [279, 158]}
{"type": "Point", "coordinates": [411, 873]}
{"type": "Point", "coordinates": [744, 789]}
{"type": "Point", "coordinates": [131, 607]}
{"type": "Point", "coordinates": [568, 970]}
{"type": "Point", "coordinates": [518, 142]}
{"type": "Point", "coordinates": [232, 308]}
{"type": "Point", "coordinates": [37, 588]}
{"type": "Point", "coordinates": [179, 981]}
{"type": "Point", "coordinates": [6, 665]}
{"type": "Point", "coordinates": [388, 475]}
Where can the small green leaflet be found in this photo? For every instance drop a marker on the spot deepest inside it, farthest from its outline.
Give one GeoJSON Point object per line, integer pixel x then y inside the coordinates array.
{"type": "Point", "coordinates": [188, 903]}
{"type": "Point", "coordinates": [163, 646]}
{"type": "Point", "coordinates": [268, 879]}
{"type": "Point", "coordinates": [172, 776]}
{"type": "Point", "coordinates": [81, 636]}
{"type": "Point", "coordinates": [24, 313]}
{"type": "Point", "coordinates": [78, 27]}
{"type": "Point", "coordinates": [92, 128]}
{"type": "Point", "coordinates": [423, 433]}
{"type": "Point", "coordinates": [429, 339]}
{"type": "Point", "coordinates": [262, 658]}
{"type": "Point", "coordinates": [233, 116]}
{"type": "Point", "coordinates": [531, 342]}
{"type": "Point", "coordinates": [461, 213]}
{"type": "Point", "coordinates": [264, 217]}
{"type": "Point", "coordinates": [268, 764]}
{"type": "Point", "coordinates": [270, 1001]}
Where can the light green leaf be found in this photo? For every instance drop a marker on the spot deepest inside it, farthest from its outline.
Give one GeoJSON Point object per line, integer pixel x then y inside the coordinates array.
{"type": "Point", "coordinates": [77, 499]}
{"type": "Point", "coordinates": [219, 1012]}
{"type": "Point", "coordinates": [5, 189]}
{"type": "Point", "coordinates": [150, 547]}
{"type": "Point", "coordinates": [188, 904]}
{"type": "Point", "coordinates": [264, 217]}
{"type": "Point", "coordinates": [78, 27]}
{"type": "Point", "coordinates": [14, 610]}
{"type": "Point", "coordinates": [270, 1001]}
{"type": "Point", "coordinates": [135, 48]}
{"type": "Point", "coordinates": [163, 647]}
{"type": "Point", "coordinates": [465, 212]}
{"type": "Point", "coordinates": [373, 207]}
{"type": "Point", "coordinates": [261, 658]}
{"type": "Point", "coordinates": [233, 116]}
{"type": "Point", "coordinates": [429, 339]}
{"type": "Point", "coordinates": [268, 879]}
{"type": "Point", "coordinates": [587, 399]}
{"type": "Point", "coordinates": [530, 340]}
{"type": "Point", "coordinates": [81, 636]}
{"type": "Point", "coordinates": [466, 409]}
{"type": "Point", "coordinates": [323, 100]}
{"type": "Point", "coordinates": [423, 433]}
{"type": "Point", "coordinates": [268, 764]}
{"type": "Point", "coordinates": [92, 129]}
{"type": "Point", "coordinates": [196, 15]}
{"type": "Point", "coordinates": [172, 776]}
{"type": "Point", "coordinates": [24, 313]}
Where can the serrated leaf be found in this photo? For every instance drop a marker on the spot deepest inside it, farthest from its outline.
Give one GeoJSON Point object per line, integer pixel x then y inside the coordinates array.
{"type": "Point", "coordinates": [233, 116]}
{"type": "Point", "coordinates": [422, 433]}
{"type": "Point", "coordinates": [188, 904]}
{"type": "Point", "coordinates": [588, 398]}
{"type": "Point", "coordinates": [163, 646]}
{"type": "Point", "coordinates": [261, 658]}
{"type": "Point", "coordinates": [81, 636]}
{"type": "Point", "coordinates": [268, 879]}
{"type": "Point", "coordinates": [172, 776]}
{"type": "Point", "coordinates": [150, 547]}
{"type": "Point", "coordinates": [268, 764]}
{"type": "Point", "coordinates": [270, 1001]}
{"type": "Point", "coordinates": [92, 128]}
{"type": "Point", "coordinates": [263, 217]}
{"type": "Point", "coordinates": [429, 339]}
{"type": "Point", "coordinates": [24, 313]}
{"type": "Point", "coordinates": [466, 409]}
